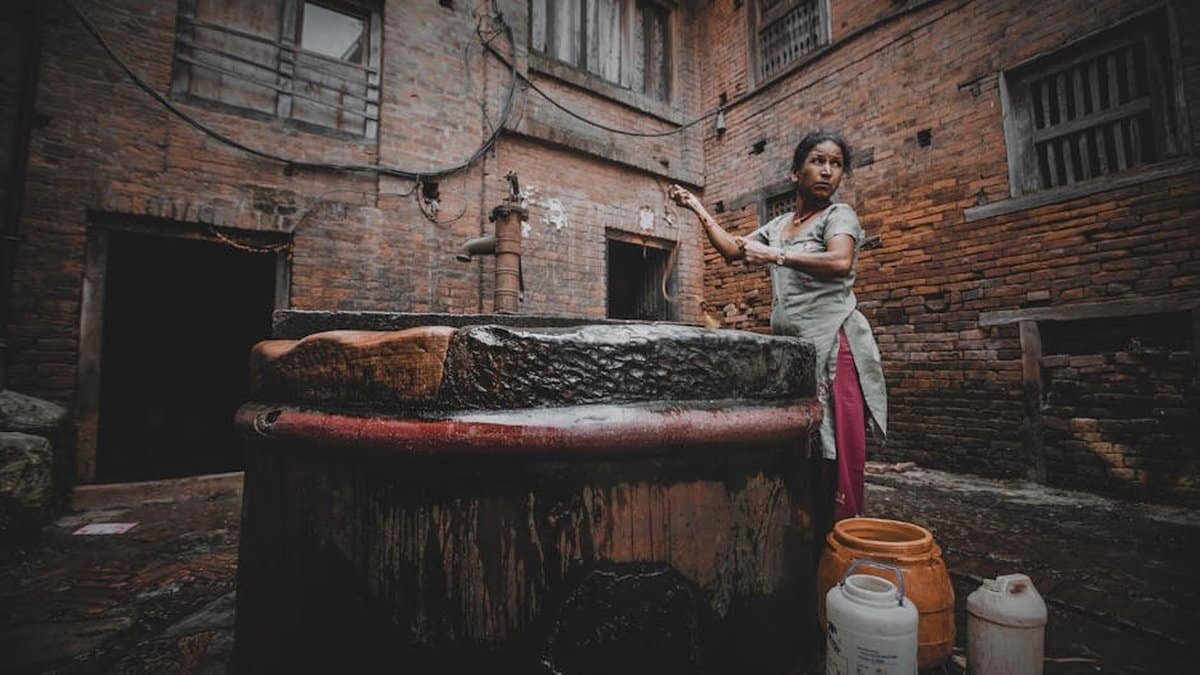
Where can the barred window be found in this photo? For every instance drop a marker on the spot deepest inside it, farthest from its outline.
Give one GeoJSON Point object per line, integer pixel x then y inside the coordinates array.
{"type": "Point", "coordinates": [1099, 107]}
{"type": "Point", "coordinates": [313, 63]}
{"type": "Point", "coordinates": [625, 42]}
{"type": "Point", "coordinates": [785, 31]}
{"type": "Point", "coordinates": [778, 205]}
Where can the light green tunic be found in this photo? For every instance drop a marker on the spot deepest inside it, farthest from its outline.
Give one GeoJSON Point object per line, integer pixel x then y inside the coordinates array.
{"type": "Point", "coordinates": [815, 309]}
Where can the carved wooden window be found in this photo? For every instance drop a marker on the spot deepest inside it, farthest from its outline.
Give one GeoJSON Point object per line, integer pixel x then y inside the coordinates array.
{"type": "Point", "coordinates": [626, 42]}
{"type": "Point", "coordinates": [778, 205]}
{"type": "Point", "coordinates": [312, 63]}
{"type": "Point", "coordinates": [1095, 108]}
{"type": "Point", "coordinates": [785, 31]}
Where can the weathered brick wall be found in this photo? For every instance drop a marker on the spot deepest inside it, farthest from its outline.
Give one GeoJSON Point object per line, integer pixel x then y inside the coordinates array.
{"type": "Point", "coordinates": [109, 152]}
{"type": "Point", "coordinates": [1124, 421]}
{"type": "Point", "coordinates": [955, 386]}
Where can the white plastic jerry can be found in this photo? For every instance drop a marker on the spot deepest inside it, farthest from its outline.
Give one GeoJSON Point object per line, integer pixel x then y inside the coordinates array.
{"type": "Point", "coordinates": [872, 627]}
{"type": "Point", "coordinates": [1006, 627]}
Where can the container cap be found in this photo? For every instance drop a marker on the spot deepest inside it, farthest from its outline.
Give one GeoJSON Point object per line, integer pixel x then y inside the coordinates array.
{"type": "Point", "coordinates": [1009, 600]}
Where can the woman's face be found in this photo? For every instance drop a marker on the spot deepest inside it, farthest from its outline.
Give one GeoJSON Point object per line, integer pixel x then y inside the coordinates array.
{"type": "Point", "coordinates": [822, 171]}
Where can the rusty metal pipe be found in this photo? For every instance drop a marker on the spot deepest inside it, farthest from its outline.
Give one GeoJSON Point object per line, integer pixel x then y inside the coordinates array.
{"type": "Point", "coordinates": [508, 257]}
{"type": "Point", "coordinates": [476, 246]}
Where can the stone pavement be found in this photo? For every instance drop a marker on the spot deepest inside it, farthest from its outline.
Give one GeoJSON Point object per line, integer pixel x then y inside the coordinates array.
{"type": "Point", "coordinates": [157, 599]}
{"type": "Point", "coordinates": [1119, 577]}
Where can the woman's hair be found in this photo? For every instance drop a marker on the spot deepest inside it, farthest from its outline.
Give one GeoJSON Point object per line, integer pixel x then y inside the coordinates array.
{"type": "Point", "coordinates": [815, 138]}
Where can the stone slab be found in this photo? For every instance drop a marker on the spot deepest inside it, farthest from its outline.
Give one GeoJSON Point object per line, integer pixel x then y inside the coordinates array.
{"type": "Point", "coordinates": [491, 367]}
{"type": "Point", "coordinates": [497, 367]}
{"type": "Point", "coordinates": [381, 367]}
{"type": "Point", "coordinates": [293, 324]}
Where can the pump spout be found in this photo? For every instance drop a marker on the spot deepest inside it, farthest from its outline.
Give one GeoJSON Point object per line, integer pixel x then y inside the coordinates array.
{"type": "Point", "coordinates": [476, 246]}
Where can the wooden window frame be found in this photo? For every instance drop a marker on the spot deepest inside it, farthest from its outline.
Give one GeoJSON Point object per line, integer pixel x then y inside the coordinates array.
{"type": "Point", "coordinates": [756, 22]}
{"type": "Point", "coordinates": [670, 271]}
{"type": "Point", "coordinates": [286, 42]}
{"type": "Point", "coordinates": [620, 90]}
{"type": "Point", "coordinates": [1163, 102]}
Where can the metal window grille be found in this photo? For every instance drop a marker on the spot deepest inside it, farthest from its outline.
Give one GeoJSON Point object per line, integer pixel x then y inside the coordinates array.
{"type": "Point", "coordinates": [787, 38]}
{"type": "Point", "coordinates": [778, 205]}
{"type": "Point", "coordinates": [1093, 118]}
{"type": "Point", "coordinates": [266, 71]}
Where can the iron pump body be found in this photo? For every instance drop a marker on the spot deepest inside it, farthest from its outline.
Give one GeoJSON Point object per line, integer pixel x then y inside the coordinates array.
{"type": "Point", "coordinates": [506, 246]}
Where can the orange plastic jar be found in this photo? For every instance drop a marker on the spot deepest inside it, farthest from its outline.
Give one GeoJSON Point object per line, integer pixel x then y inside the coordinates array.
{"type": "Point", "coordinates": [912, 549]}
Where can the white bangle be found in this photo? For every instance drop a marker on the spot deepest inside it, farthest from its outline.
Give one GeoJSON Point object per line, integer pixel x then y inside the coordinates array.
{"type": "Point", "coordinates": [781, 259]}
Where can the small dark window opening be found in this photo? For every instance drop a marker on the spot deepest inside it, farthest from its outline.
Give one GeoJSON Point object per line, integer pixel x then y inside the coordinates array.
{"type": "Point", "coordinates": [1154, 333]}
{"type": "Point", "coordinates": [640, 277]}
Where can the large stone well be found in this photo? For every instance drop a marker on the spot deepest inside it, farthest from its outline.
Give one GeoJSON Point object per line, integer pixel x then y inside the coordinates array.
{"type": "Point", "coordinates": [524, 498]}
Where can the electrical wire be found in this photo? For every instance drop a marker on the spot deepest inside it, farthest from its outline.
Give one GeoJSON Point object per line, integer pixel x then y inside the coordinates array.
{"type": "Point", "coordinates": [417, 176]}
{"type": "Point", "coordinates": [600, 125]}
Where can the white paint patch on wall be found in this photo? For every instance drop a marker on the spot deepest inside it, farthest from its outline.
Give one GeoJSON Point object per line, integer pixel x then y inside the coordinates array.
{"type": "Point", "coordinates": [646, 218]}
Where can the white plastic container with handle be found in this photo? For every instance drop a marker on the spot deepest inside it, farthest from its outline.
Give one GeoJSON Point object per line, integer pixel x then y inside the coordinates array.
{"type": "Point", "coordinates": [872, 627]}
{"type": "Point", "coordinates": [1006, 627]}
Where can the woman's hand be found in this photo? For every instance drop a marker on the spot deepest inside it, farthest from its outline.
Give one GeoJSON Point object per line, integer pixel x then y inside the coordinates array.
{"type": "Point", "coordinates": [681, 196]}
{"type": "Point", "coordinates": [758, 253]}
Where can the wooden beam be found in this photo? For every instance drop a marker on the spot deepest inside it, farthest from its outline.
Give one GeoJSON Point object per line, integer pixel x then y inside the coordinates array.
{"type": "Point", "coordinates": [91, 334]}
{"type": "Point", "coordinates": [1031, 384]}
{"type": "Point", "coordinates": [1097, 310]}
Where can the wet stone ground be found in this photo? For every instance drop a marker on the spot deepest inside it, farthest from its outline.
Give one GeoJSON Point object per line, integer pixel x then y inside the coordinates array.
{"type": "Point", "coordinates": [1119, 577]}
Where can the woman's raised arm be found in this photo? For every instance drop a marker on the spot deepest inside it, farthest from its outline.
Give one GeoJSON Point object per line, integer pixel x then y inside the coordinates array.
{"type": "Point", "coordinates": [728, 245]}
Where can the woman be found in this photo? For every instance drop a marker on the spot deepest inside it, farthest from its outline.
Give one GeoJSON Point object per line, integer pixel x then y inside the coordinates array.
{"type": "Point", "coordinates": [813, 252]}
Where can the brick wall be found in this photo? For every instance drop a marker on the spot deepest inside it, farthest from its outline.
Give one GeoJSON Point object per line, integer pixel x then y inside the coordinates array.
{"type": "Point", "coordinates": [956, 393]}
{"type": "Point", "coordinates": [109, 154]}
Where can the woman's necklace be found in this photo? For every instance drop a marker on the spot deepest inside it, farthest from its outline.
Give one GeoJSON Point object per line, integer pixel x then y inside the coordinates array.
{"type": "Point", "coordinates": [806, 213]}
{"type": "Point", "coordinates": [800, 217]}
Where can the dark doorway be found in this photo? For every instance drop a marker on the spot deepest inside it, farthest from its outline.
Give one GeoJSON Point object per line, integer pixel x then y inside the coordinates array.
{"type": "Point", "coordinates": [180, 317]}
{"type": "Point", "coordinates": [640, 280]}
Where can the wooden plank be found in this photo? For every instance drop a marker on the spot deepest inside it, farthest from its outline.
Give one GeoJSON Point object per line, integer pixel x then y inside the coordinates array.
{"type": "Point", "coordinates": [1098, 310]}
{"type": "Point", "coordinates": [1064, 149]}
{"type": "Point", "coordinates": [283, 279]}
{"type": "Point", "coordinates": [1031, 358]}
{"type": "Point", "coordinates": [537, 25]}
{"type": "Point", "coordinates": [1100, 184]}
{"type": "Point", "coordinates": [604, 48]}
{"type": "Point", "coordinates": [1118, 136]}
{"type": "Point", "coordinates": [1080, 140]}
{"type": "Point", "coordinates": [1052, 161]}
{"type": "Point", "coordinates": [1043, 89]}
{"type": "Point", "coordinates": [1135, 141]}
{"type": "Point", "coordinates": [1108, 116]}
{"type": "Point", "coordinates": [1101, 150]}
{"type": "Point", "coordinates": [180, 82]}
{"type": "Point", "coordinates": [1114, 99]}
{"type": "Point", "coordinates": [1132, 73]}
{"type": "Point", "coordinates": [371, 129]}
{"type": "Point", "coordinates": [1031, 384]}
{"type": "Point", "coordinates": [91, 338]}
{"type": "Point", "coordinates": [285, 64]}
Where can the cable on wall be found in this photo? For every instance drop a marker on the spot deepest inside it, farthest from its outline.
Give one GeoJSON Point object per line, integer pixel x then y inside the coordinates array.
{"type": "Point", "coordinates": [479, 152]}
